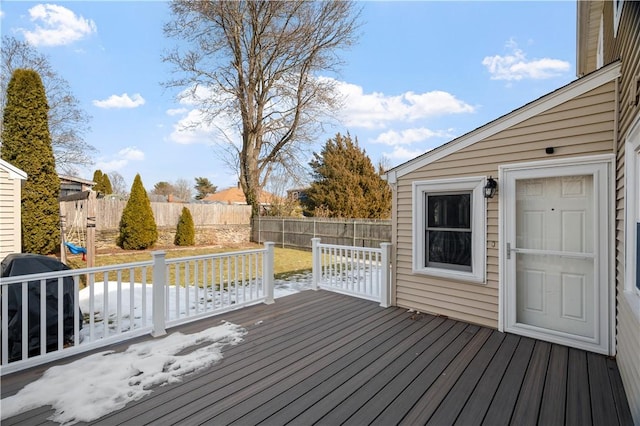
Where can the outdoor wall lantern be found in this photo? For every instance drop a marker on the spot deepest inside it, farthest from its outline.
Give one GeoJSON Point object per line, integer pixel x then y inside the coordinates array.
{"type": "Point", "coordinates": [490, 188]}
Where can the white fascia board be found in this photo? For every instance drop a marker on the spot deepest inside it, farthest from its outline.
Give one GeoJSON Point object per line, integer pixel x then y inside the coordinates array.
{"type": "Point", "coordinates": [14, 172]}
{"type": "Point", "coordinates": [545, 103]}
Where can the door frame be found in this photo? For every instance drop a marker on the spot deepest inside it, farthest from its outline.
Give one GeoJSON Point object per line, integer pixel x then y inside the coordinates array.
{"type": "Point", "coordinates": [604, 192]}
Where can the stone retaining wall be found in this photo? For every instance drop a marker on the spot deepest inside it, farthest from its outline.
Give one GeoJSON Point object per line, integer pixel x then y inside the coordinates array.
{"type": "Point", "coordinates": [211, 235]}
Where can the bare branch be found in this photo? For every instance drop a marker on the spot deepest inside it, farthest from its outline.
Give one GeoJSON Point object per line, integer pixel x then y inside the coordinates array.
{"type": "Point", "coordinates": [259, 61]}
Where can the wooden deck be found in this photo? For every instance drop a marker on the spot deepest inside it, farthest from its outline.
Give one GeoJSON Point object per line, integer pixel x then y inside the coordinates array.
{"type": "Point", "coordinates": [327, 359]}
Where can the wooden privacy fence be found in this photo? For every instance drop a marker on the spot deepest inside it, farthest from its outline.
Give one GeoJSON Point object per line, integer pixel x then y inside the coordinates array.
{"type": "Point", "coordinates": [297, 232]}
{"type": "Point", "coordinates": [109, 212]}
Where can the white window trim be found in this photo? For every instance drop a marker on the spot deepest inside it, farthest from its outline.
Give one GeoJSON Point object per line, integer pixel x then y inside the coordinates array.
{"type": "Point", "coordinates": [478, 227]}
{"type": "Point", "coordinates": [632, 213]}
{"type": "Point", "coordinates": [617, 12]}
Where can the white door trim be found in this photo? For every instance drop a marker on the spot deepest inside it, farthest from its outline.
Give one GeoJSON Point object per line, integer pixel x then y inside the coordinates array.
{"type": "Point", "coordinates": [602, 166]}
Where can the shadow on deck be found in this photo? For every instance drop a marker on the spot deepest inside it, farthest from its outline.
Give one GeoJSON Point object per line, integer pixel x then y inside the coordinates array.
{"type": "Point", "coordinates": [323, 358]}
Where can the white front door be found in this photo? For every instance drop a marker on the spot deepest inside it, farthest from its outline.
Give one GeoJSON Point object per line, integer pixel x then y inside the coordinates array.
{"type": "Point", "coordinates": [556, 263]}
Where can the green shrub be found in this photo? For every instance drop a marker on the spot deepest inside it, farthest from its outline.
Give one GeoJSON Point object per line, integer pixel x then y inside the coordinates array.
{"type": "Point", "coordinates": [138, 229]}
{"type": "Point", "coordinates": [26, 144]}
{"type": "Point", "coordinates": [186, 231]}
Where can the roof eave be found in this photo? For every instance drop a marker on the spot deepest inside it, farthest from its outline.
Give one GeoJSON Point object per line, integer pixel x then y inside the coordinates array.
{"type": "Point", "coordinates": [544, 103]}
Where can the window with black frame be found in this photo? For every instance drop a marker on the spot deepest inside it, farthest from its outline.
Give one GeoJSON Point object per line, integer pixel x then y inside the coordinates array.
{"type": "Point", "coordinates": [448, 233]}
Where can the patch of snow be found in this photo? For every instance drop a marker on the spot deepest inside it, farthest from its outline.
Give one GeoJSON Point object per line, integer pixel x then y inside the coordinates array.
{"type": "Point", "coordinates": [200, 300]}
{"type": "Point", "coordinates": [98, 384]}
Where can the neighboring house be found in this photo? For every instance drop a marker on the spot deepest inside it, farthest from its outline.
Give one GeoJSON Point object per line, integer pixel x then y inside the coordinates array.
{"type": "Point", "coordinates": [10, 212]}
{"type": "Point", "coordinates": [234, 195]}
{"type": "Point", "coordinates": [299, 194]}
{"type": "Point", "coordinates": [72, 185]}
{"type": "Point", "coordinates": [554, 255]}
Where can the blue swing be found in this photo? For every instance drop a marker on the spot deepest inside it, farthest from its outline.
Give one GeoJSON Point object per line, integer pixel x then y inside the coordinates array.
{"type": "Point", "coordinates": [74, 249]}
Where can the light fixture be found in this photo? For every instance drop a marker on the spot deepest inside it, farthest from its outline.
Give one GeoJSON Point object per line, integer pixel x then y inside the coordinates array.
{"type": "Point", "coordinates": [490, 188]}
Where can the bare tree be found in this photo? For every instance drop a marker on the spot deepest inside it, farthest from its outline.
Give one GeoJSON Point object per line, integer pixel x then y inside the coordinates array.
{"type": "Point", "coordinates": [67, 121]}
{"type": "Point", "coordinates": [254, 66]}
{"type": "Point", "coordinates": [182, 188]}
{"type": "Point", "coordinates": [118, 184]}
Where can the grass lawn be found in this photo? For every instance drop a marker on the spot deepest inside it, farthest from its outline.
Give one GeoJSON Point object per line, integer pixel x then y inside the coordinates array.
{"type": "Point", "coordinates": [287, 261]}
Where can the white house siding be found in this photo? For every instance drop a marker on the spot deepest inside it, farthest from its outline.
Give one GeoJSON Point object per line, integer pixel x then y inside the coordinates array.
{"type": "Point", "coordinates": [581, 126]}
{"type": "Point", "coordinates": [9, 213]}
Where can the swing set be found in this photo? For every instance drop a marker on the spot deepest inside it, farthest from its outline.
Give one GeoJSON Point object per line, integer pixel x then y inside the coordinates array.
{"type": "Point", "coordinates": [77, 226]}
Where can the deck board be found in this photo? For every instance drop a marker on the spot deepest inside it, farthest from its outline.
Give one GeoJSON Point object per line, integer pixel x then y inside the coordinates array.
{"type": "Point", "coordinates": [460, 392]}
{"type": "Point", "coordinates": [554, 396]}
{"type": "Point", "coordinates": [324, 358]}
{"type": "Point", "coordinates": [578, 408]}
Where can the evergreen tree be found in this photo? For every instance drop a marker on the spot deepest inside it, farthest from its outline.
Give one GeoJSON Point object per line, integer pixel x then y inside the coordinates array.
{"type": "Point", "coordinates": [138, 229]}
{"type": "Point", "coordinates": [204, 187]}
{"type": "Point", "coordinates": [26, 143]}
{"type": "Point", "coordinates": [346, 184]}
{"type": "Point", "coordinates": [97, 178]}
{"type": "Point", "coordinates": [186, 231]}
{"type": "Point", "coordinates": [106, 185]}
{"type": "Point", "coordinates": [163, 189]}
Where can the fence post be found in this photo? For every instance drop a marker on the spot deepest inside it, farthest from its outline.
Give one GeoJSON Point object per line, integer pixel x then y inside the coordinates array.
{"type": "Point", "coordinates": [385, 276]}
{"type": "Point", "coordinates": [158, 293]}
{"type": "Point", "coordinates": [315, 259]}
{"type": "Point", "coordinates": [267, 271]}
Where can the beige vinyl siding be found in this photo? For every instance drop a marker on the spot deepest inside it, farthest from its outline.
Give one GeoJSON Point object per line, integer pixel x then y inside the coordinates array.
{"type": "Point", "coordinates": [579, 127]}
{"type": "Point", "coordinates": [9, 214]}
{"type": "Point", "coordinates": [628, 355]}
{"type": "Point", "coordinates": [625, 46]}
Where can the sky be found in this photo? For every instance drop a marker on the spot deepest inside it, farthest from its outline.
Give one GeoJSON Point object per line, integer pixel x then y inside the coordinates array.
{"type": "Point", "coordinates": [421, 74]}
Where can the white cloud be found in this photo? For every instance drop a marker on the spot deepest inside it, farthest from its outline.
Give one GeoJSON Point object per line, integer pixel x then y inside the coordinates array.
{"type": "Point", "coordinates": [121, 159]}
{"type": "Point", "coordinates": [123, 101]}
{"type": "Point", "coordinates": [516, 66]}
{"type": "Point", "coordinates": [376, 110]}
{"type": "Point", "coordinates": [1, 14]}
{"type": "Point", "coordinates": [195, 126]}
{"type": "Point", "coordinates": [56, 25]}
{"type": "Point", "coordinates": [177, 111]}
{"type": "Point", "coordinates": [401, 154]}
{"type": "Point", "coordinates": [409, 136]}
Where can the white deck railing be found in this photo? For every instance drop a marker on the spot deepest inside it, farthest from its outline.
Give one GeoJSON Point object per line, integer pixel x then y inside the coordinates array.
{"type": "Point", "coordinates": [356, 271]}
{"type": "Point", "coordinates": [123, 301]}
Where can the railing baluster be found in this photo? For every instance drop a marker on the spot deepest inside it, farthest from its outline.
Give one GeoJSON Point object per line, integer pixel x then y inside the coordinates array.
{"type": "Point", "coordinates": [196, 284]}
{"type": "Point", "coordinates": [105, 303]}
{"type": "Point", "coordinates": [132, 306]}
{"type": "Point", "coordinates": [92, 307]}
{"type": "Point", "coordinates": [43, 317]}
{"type": "Point", "coordinates": [119, 303]}
{"type": "Point", "coordinates": [75, 303]}
{"type": "Point", "coordinates": [60, 314]}
{"type": "Point", "coordinates": [25, 319]}
{"type": "Point", "coordinates": [187, 285]}
{"type": "Point", "coordinates": [246, 274]}
{"type": "Point", "coordinates": [143, 294]}
{"type": "Point", "coordinates": [176, 290]}
{"type": "Point", "coordinates": [5, 325]}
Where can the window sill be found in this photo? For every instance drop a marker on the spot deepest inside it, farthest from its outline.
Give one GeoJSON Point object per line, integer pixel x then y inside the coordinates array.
{"type": "Point", "coordinates": [451, 275]}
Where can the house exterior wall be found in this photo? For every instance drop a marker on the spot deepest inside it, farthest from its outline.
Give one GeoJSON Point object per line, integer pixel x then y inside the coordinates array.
{"type": "Point", "coordinates": [625, 45]}
{"type": "Point", "coordinates": [10, 229]}
{"type": "Point", "coordinates": [581, 126]}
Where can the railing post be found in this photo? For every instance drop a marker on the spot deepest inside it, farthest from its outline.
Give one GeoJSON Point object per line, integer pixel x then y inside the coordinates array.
{"type": "Point", "coordinates": [159, 284]}
{"type": "Point", "coordinates": [385, 276]}
{"type": "Point", "coordinates": [316, 265]}
{"type": "Point", "coordinates": [267, 271]}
